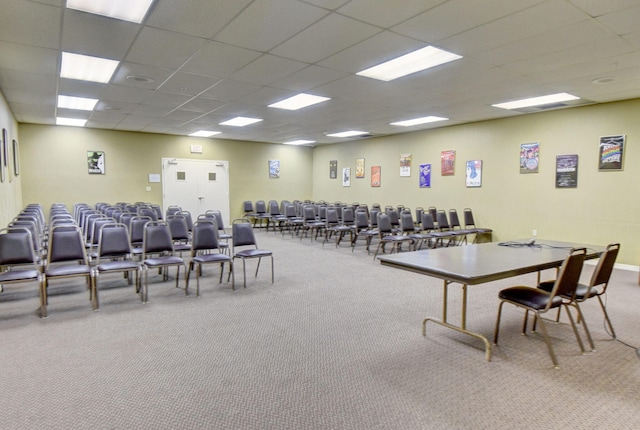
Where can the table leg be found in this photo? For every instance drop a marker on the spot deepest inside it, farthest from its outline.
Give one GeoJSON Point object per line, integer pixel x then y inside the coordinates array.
{"type": "Point", "coordinates": [463, 327]}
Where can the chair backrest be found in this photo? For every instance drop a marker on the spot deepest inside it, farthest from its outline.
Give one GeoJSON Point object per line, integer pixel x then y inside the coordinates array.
{"type": "Point", "coordinates": [136, 228]}
{"type": "Point", "coordinates": [148, 212]}
{"type": "Point", "coordinates": [172, 210]}
{"type": "Point", "coordinates": [434, 212]}
{"type": "Point", "coordinates": [33, 229]}
{"type": "Point", "coordinates": [468, 218]}
{"type": "Point", "coordinates": [261, 207]}
{"type": "Point", "coordinates": [362, 220]}
{"type": "Point", "coordinates": [247, 206]}
{"type": "Point", "coordinates": [178, 228]}
{"type": "Point", "coordinates": [407, 222]}
{"type": "Point", "coordinates": [454, 221]}
{"type": "Point", "coordinates": [205, 236]}
{"type": "Point", "coordinates": [347, 216]}
{"type": "Point", "coordinates": [309, 214]}
{"type": "Point", "coordinates": [374, 217]}
{"type": "Point", "coordinates": [16, 247]}
{"type": "Point", "coordinates": [242, 233]}
{"type": "Point", "coordinates": [569, 274]}
{"type": "Point", "coordinates": [219, 220]}
{"type": "Point", "coordinates": [274, 207]}
{"type": "Point", "coordinates": [331, 217]}
{"type": "Point", "coordinates": [187, 218]}
{"type": "Point", "coordinates": [290, 211]}
{"type": "Point", "coordinates": [602, 272]}
{"type": "Point", "coordinates": [419, 211]}
{"type": "Point", "coordinates": [66, 244]}
{"type": "Point", "coordinates": [384, 224]}
{"type": "Point", "coordinates": [114, 241]}
{"type": "Point", "coordinates": [157, 238]}
{"type": "Point", "coordinates": [427, 222]}
{"type": "Point", "coordinates": [97, 226]}
{"type": "Point", "coordinates": [393, 217]}
{"type": "Point", "coordinates": [443, 222]}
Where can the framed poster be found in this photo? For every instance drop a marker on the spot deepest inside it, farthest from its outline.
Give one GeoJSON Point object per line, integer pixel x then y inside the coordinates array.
{"type": "Point", "coordinates": [1, 162]}
{"type": "Point", "coordinates": [5, 148]}
{"type": "Point", "coordinates": [274, 168]}
{"type": "Point", "coordinates": [375, 176]}
{"type": "Point", "coordinates": [425, 176]}
{"type": "Point", "coordinates": [567, 171]}
{"type": "Point", "coordinates": [474, 173]}
{"type": "Point", "coordinates": [346, 177]}
{"type": "Point", "coordinates": [611, 153]}
{"type": "Point", "coordinates": [359, 167]}
{"type": "Point", "coordinates": [405, 164]}
{"type": "Point", "coordinates": [333, 169]}
{"type": "Point", "coordinates": [95, 162]}
{"type": "Point", "coordinates": [529, 157]}
{"type": "Point", "coordinates": [447, 162]}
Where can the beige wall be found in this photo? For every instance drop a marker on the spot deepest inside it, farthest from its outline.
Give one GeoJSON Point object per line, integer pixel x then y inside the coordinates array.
{"type": "Point", "coordinates": [603, 208]}
{"type": "Point", "coordinates": [11, 188]}
{"type": "Point", "coordinates": [55, 166]}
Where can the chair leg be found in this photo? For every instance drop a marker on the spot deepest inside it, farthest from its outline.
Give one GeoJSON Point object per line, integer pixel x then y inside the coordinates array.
{"type": "Point", "coordinates": [575, 329]}
{"type": "Point", "coordinates": [496, 331]}
{"type": "Point", "coordinates": [94, 293]}
{"type": "Point", "coordinates": [548, 341]}
{"type": "Point", "coordinates": [43, 299]}
{"type": "Point", "coordinates": [606, 317]}
{"type": "Point", "coordinates": [272, 275]}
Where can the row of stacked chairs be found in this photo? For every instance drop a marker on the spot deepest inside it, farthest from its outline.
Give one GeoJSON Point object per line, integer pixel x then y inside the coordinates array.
{"type": "Point", "coordinates": [393, 226]}
{"type": "Point", "coordinates": [92, 240]}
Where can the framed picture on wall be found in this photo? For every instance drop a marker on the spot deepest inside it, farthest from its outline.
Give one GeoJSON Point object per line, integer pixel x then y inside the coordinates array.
{"type": "Point", "coordinates": [611, 153]}
{"type": "Point", "coordinates": [375, 176]}
{"type": "Point", "coordinates": [1, 161]}
{"type": "Point", "coordinates": [567, 171]}
{"type": "Point", "coordinates": [16, 158]}
{"type": "Point", "coordinates": [474, 173]}
{"type": "Point", "coordinates": [529, 157]}
{"type": "Point", "coordinates": [425, 176]}
{"type": "Point", "coordinates": [359, 167]}
{"type": "Point", "coordinates": [447, 162]}
{"type": "Point", "coordinates": [95, 162]}
{"type": "Point", "coordinates": [274, 168]}
{"type": "Point", "coordinates": [5, 148]}
{"type": "Point", "coordinates": [333, 169]}
{"type": "Point", "coordinates": [405, 164]}
{"type": "Point", "coordinates": [346, 177]}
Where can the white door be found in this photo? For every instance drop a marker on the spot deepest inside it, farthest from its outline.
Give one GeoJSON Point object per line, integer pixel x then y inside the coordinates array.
{"type": "Point", "coordinates": [196, 186]}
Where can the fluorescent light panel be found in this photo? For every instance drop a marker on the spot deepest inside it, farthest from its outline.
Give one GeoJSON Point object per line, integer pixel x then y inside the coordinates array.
{"type": "Point", "coordinates": [86, 68]}
{"type": "Point", "coordinates": [537, 101]}
{"type": "Point", "coordinates": [78, 103]}
{"type": "Point", "coordinates": [71, 121]}
{"type": "Point", "coordinates": [417, 121]}
{"type": "Point", "coordinates": [349, 133]}
{"type": "Point", "coordinates": [299, 142]}
{"type": "Point", "coordinates": [240, 121]}
{"type": "Point", "coordinates": [127, 10]}
{"type": "Point", "coordinates": [204, 133]}
{"type": "Point", "coordinates": [299, 101]}
{"type": "Point", "coordinates": [407, 64]}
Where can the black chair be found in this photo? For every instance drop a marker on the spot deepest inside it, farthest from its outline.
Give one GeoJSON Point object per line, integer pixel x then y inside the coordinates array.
{"type": "Point", "coordinates": [136, 233]}
{"type": "Point", "coordinates": [179, 233]}
{"type": "Point", "coordinates": [454, 224]}
{"type": "Point", "coordinates": [455, 236]}
{"type": "Point", "coordinates": [18, 259]}
{"type": "Point", "coordinates": [539, 301]}
{"type": "Point", "coordinates": [205, 249]}
{"type": "Point", "coordinates": [260, 214]}
{"type": "Point", "coordinates": [243, 237]}
{"type": "Point", "coordinates": [276, 218]}
{"type": "Point", "coordinates": [66, 258]}
{"type": "Point", "coordinates": [114, 255]}
{"type": "Point", "coordinates": [362, 230]}
{"type": "Point", "coordinates": [596, 287]}
{"type": "Point", "coordinates": [386, 234]}
{"type": "Point", "coordinates": [222, 232]}
{"type": "Point", "coordinates": [158, 253]}
{"type": "Point", "coordinates": [310, 223]}
{"type": "Point", "coordinates": [333, 225]}
{"type": "Point", "coordinates": [481, 234]}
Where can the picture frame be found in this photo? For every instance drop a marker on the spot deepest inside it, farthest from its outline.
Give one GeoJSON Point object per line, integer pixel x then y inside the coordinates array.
{"type": "Point", "coordinates": [274, 169]}
{"type": "Point", "coordinates": [376, 176]}
{"type": "Point", "coordinates": [405, 164]}
{"type": "Point", "coordinates": [16, 158]}
{"type": "Point", "coordinates": [567, 171]}
{"type": "Point", "coordinates": [474, 173]}
{"type": "Point", "coordinates": [448, 162]}
{"type": "Point", "coordinates": [424, 177]}
{"type": "Point", "coordinates": [529, 157]}
{"type": "Point", "coordinates": [96, 162]}
{"type": "Point", "coordinates": [5, 148]}
{"type": "Point", "coordinates": [359, 168]}
{"type": "Point", "coordinates": [611, 153]}
{"type": "Point", "coordinates": [333, 169]}
{"type": "Point", "coordinates": [346, 177]}
{"type": "Point", "coordinates": [2, 169]}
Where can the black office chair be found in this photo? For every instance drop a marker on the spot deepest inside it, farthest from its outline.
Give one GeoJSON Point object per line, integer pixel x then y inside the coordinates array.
{"type": "Point", "coordinates": [597, 286]}
{"type": "Point", "coordinates": [243, 237]}
{"type": "Point", "coordinates": [205, 249]}
{"type": "Point", "coordinates": [539, 301]}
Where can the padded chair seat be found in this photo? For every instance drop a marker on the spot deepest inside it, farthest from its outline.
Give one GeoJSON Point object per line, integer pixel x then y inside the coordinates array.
{"type": "Point", "coordinates": [531, 297]}
{"type": "Point", "coordinates": [18, 275]}
{"type": "Point", "coordinates": [68, 270]}
{"type": "Point", "coordinates": [117, 266]}
{"type": "Point", "coordinates": [253, 253]}
{"type": "Point", "coordinates": [396, 238]}
{"type": "Point", "coordinates": [163, 261]}
{"type": "Point", "coordinates": [211, 258]}
{"type": "Point", "coordinates": [178, 247]}
{"type": "Point", "coordinates": [582, 292]}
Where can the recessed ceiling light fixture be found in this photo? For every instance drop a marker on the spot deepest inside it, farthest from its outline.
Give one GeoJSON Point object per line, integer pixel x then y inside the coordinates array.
{"type": "Point", "coordinates": [407, 64]}
{"type": "Point", "coordinates": [417, 121]}
{"type": "Point", "coordinates": [350, 133]}
{"type": "Point", "coordinates": [299, 142]}
{"type": "Point", "coordinates": [299, 101]}
{"type": "Point", "coordinates": [204, 133]}
{"type": "Point", "coordinates": [71, 121]}
{"type": "Point", "coordinates": [86, 68]}
{"type": "Point", "coordinates": [127, 10]}
{"type": "Point", "coordinates": [78, 103]}
{"type": "Point", "coordinates": [138, 78]}
{"type": "Point", "coordinates": [537, 101]}
{"type": "Point", "coordinates": [240, 121]}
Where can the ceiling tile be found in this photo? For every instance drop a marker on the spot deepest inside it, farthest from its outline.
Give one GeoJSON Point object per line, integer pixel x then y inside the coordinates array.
{"type": "Point", "coordinates": [163, 48]}
{"type": "Point", "coordinates": [25, 58]}
{"type": "Point", "coordinates": [219, 59]}
{"type": "Point", "coordinates": [308, 78]}
{"type": "Point", "coordinates": [268, 69]}
{"type": "Point", "coordinates": [228, 90]}
{"type": "Point", "coordinates": [378, 12]}
{"type": "Point", "coordinates": [30, 23]}
{"type": "Point", "coordinates": [187, 84]}
{"type": "Point", "coordinates": [135, 75]}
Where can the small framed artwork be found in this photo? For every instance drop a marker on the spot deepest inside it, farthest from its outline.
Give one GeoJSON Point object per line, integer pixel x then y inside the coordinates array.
{"type": "Point", "coordinates": [333, 169]}
{"type": "Point", "coordinates": [1, 162]}
{"type": "Point", "coordinates": [448, 162]}
{"type": "Point", "coordinates": [16, 158]}
{"type": "Point", "coordinates": [611, 153]}
{"type": "Point", "coordinates": [274, 168]}
{"type": "Point", "coordinates": [95, 162]}
{"type": "Point", "coordinates": [474, 173]}
{"type": "Point", "coordinates": [375, 176]}
{"type": "Point", "coordinates": [405, 164]}
{"type": "Point", "coordinates": [346, 177]}
{"type": "Point", "coordinates": [359, 168]}
{"type": "Point", "coordinates": [567, 171]}
{"type": "Point", "coordinates": [529, 157]}
{"type": "Point", "coordinates": [5, 148]}
{"type": "Point", "coordinates": [425, 176]}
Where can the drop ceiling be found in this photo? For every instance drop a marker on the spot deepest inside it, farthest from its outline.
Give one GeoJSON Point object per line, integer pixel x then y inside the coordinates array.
{"type": "Point", "coordinates": [192, 64]}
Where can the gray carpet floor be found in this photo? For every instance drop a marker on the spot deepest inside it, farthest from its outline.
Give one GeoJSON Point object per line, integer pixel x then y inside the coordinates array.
{"type": "Point", "coordinates": [334, 343]}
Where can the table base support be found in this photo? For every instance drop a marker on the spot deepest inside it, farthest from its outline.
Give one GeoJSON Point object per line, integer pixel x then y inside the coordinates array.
{"type": "Point", "coordinates": [487, 344]}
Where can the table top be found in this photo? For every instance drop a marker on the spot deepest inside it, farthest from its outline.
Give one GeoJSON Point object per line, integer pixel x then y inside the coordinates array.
{"type": "Point", "coordinates": [486, 262]}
